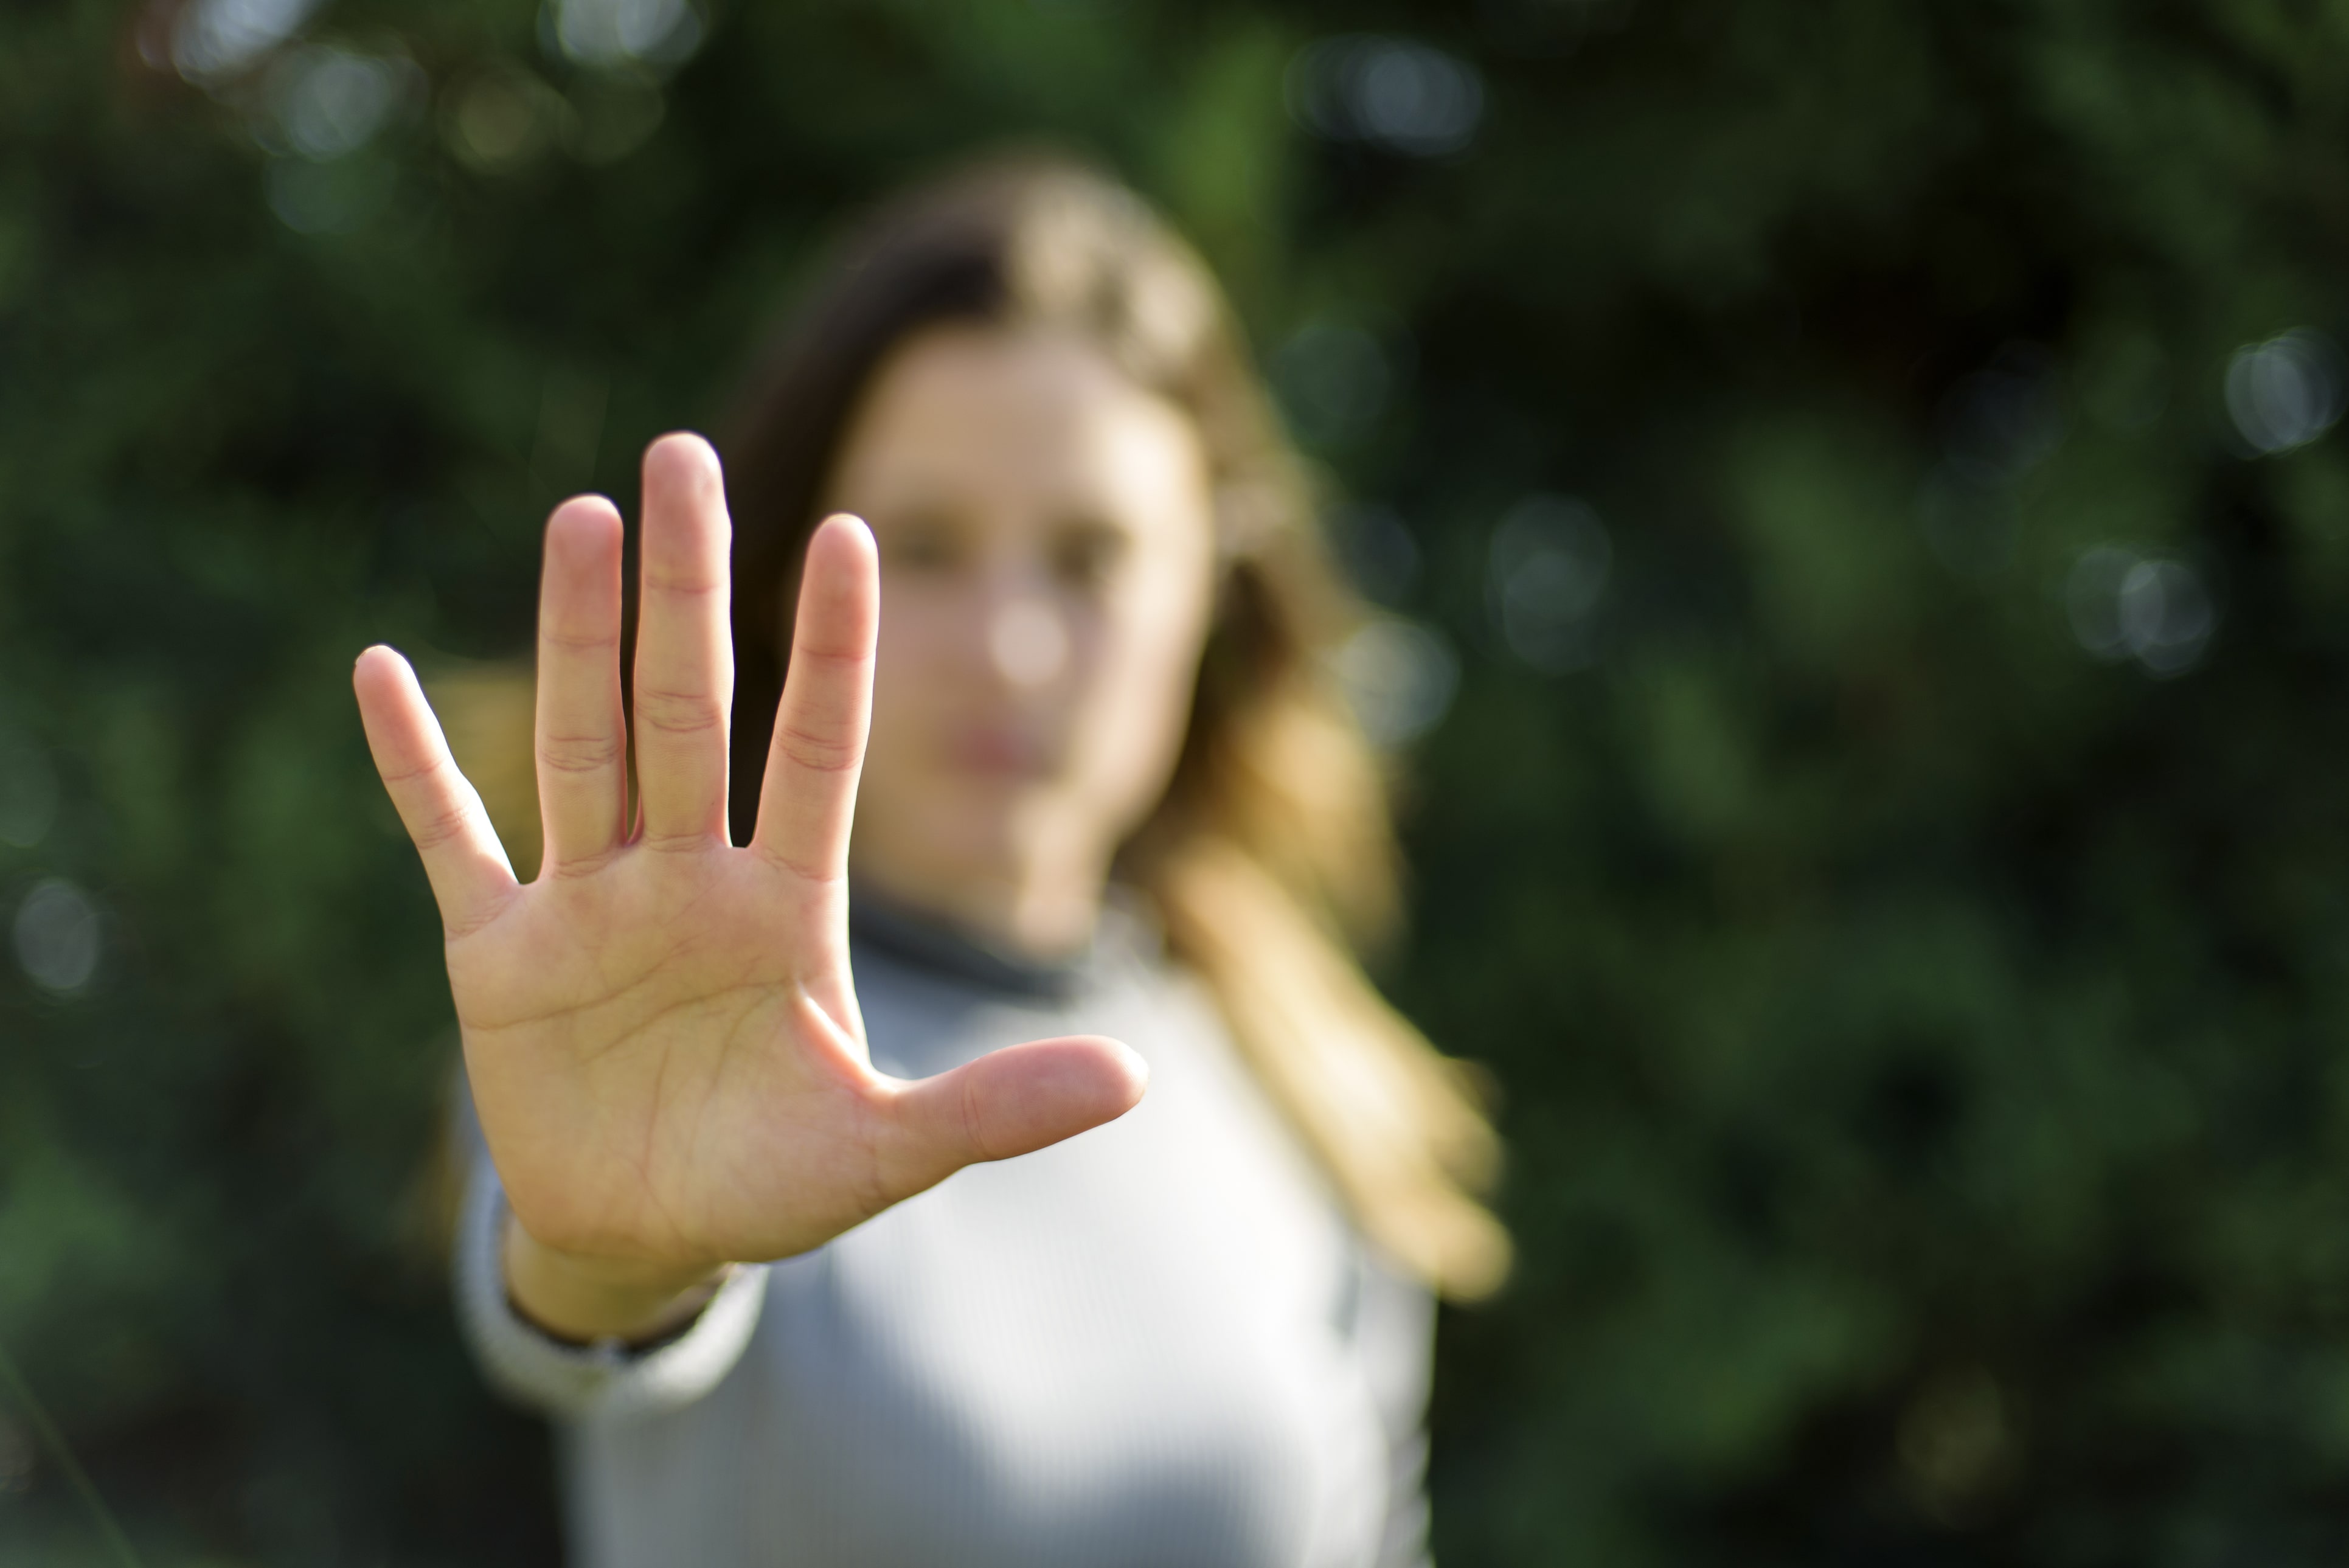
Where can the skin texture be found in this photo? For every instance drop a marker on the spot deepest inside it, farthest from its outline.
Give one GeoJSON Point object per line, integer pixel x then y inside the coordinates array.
{"type": "Point", "coordinates": [661, 1031]}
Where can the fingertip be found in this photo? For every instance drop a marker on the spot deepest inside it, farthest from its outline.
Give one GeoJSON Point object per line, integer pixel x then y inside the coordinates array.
{"type": "Point", "coordinates": [1007, 1103]}
{"type": "Point", "coordinates": [584, 541]}
{"type": "Point", "coordinates": [388, 694]}
{"type": "Point", "coordinates": [1074, 1083]}
{"type": "Point", "coordinates": [681, 454]}
{"type": "Point", "coordinates": [846, 531]}
{"type": "Point", "coordinates": [588, 515]}
{"type": "Point", "coordinates": [1127, 1079]}
{"type": "Point", "coordinates": [841, 577]}
{"type": "Point", "coordinates": [376, 663]}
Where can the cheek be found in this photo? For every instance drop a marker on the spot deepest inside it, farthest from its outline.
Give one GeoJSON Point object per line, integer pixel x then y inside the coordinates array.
{"type": "Point", "coordinates": [1145, 666]}
{"type": "Point", "coordinates": [918, 646]}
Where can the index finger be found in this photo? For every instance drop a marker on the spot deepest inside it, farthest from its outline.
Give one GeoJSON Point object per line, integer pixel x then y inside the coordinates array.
{"type": "Point", "coordinates": [808, 798]}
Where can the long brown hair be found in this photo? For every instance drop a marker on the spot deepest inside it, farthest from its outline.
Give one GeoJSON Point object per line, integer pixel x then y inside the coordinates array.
{"type": "Point", "coordinates": [1272, 855]}
{"type": "Point", "coordinates": [1274, 848]}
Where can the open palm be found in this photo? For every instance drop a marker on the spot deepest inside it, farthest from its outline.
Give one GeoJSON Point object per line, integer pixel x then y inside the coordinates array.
{"type": "Point", "coordinates": [661, 1030]}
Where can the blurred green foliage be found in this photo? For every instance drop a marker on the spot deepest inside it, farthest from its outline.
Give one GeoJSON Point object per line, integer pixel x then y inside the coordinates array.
{"type": "Point", "coordinates": [1912, 943]}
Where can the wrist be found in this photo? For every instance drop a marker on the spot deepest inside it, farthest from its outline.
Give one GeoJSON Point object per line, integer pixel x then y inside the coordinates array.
{"type": "Point", "coordinates": [585, 1299]}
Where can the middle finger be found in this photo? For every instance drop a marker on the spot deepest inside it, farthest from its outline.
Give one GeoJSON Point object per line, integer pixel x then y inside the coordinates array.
{"type": "Point", "coordinates": [685, 656]}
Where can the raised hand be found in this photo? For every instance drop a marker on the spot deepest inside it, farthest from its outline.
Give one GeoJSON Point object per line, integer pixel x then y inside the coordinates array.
{"type": "Point", "coordinates": [661, 1030]}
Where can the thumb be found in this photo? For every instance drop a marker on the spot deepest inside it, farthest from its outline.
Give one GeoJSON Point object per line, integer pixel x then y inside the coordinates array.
{"type": "Point", "coordinates": [1011, 1102]}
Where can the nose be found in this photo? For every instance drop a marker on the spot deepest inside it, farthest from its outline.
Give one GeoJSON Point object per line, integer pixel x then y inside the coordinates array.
{"type": "Point", "coordinates": [1027, 643]}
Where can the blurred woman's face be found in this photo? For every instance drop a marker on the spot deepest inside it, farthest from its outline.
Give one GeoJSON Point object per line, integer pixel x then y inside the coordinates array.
{"type": "Point", "coordinates": [1047, 555]}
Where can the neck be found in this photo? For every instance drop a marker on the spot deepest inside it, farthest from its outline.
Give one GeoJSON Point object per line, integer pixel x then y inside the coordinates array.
{"type": "Point", "coordinates": [1037, 912]}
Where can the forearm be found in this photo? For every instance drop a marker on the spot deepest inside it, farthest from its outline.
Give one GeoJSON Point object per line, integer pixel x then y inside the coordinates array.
{"type": "Point", "coordinates": [587, 1300]}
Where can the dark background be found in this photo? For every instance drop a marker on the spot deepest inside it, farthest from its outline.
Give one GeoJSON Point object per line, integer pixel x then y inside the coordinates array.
{"type": "Point", "coordinates": [1863, 468]}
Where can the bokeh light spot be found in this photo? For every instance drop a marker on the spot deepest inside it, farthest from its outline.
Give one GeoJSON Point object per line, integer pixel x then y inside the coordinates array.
{"type": "Point", "coordinates": [330, 102]}
{"type": "Point", "coordinates": [1546, 569]}
{"type": "Point", "coordinates": [2153, 609]}
{"type": "Point", "coordinates": [1399, 676]}
{"type": "Point", "coordinates": [610, 32]}
{"type": "Point", "coordinates": [501, 120]}
{"type": "Point", "coordinates": [57, 937]}
{"type": "Point", "coordinates": [217, 39]}
{"type": "Point", "coordinates": [1393, 93]}
{"type": "Point", "coordinates": [2288, 391]}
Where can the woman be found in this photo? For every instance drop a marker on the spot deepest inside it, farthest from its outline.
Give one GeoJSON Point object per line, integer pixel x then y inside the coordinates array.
{"type": "Point", "coordinates": [1106, 791]}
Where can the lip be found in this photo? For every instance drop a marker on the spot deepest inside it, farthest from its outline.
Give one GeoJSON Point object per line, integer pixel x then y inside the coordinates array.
{"type": "Point", "coordinates": [997, 751]}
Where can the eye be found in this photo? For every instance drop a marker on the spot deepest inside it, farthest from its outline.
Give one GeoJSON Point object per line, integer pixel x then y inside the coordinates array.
{"type": "Point", "coordinates": [920, 542]}
{"type": "Point", "coordinates": [1085, 556]}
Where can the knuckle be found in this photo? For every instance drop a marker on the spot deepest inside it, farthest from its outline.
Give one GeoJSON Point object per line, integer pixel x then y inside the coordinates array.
{"type": "Point", "coordinates": [566, 640]}
{"type": "Point", "coordinates": [682, 585]}
{"type": "Point", "coordinates": [579, 753]}
{"type": "Point", "coordinates": [973, 1122]}
{"type": "Point", "coordinates": [443, 827]}
{"type": "Point", "coordinates": [818, 753]}
{"type": "Point", "coordinates": [680, 712]}
{"type": "Point", "coordinates": [407, 777]}
{"type": "Point", "coordinates": [674, 843]}
{"type": "Point", "coordinates": [575, 868]}
{"type": "Point", "coordinates": [850, 656]}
